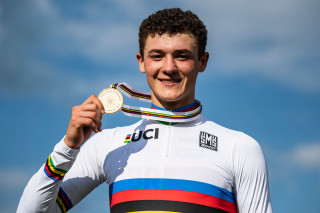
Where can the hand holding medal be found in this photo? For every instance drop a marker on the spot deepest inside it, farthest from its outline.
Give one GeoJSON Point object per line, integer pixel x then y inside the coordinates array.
{"type": "Point", "coordinates": [85, 119]}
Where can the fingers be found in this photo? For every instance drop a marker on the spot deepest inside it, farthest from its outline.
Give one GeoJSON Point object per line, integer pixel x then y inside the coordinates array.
{"type": "Point", "coordinates": [92, 119]}
{"type": "Point", "coordinates": [94, 100]}
{"type": "Point", "coordinates": [85, 119]}
{"type": "Point", "coordinates": [89, 115]}
{"type": "Point", "coordinates": [94, 105]}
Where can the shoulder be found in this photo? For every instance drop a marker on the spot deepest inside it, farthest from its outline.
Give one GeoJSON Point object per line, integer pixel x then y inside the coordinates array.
{"type": "Point", "coordinates": [235, 143]}
{"type": "Point", "coordinates": [227, 135]}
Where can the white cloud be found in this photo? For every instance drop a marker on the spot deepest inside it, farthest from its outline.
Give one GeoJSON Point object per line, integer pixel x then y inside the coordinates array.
{"type": "Point", "coordinates": [287, 167]}
{"type": "Point", "coordinates": [299, 159]}
{"type": "Point", "coordinates": [306, 156]}
{"type": "Point", "coordinates": [66, 89]}
{"type": "Point", "coordinates": [98, 35]}
{"type": "Point", "coordinates": [102, 43]}
{"type": "Point", "coordinates": [13, 178]}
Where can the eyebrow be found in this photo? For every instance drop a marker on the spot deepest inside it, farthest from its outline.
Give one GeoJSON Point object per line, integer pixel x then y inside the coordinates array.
{"type": "Point", "coordinates": [155, 50]}
{"type": "Point", "coordinates": [183, 51]}
{"type": "Point", "coordinates": [176, 51]}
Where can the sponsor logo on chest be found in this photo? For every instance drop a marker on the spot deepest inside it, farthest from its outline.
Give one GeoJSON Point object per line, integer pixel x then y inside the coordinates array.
{"type": "Point", "coordinates": [208, 141]}
{"type": "Point", "coordinates": [146, 135]}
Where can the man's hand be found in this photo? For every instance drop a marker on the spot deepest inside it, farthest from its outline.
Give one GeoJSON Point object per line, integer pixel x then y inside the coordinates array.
{"type": "Point", "coordinates": [85, 119]}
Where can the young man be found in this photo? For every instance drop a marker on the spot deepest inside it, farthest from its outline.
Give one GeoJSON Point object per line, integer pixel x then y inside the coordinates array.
{"type": "Point", "coordinates": [154, 166]}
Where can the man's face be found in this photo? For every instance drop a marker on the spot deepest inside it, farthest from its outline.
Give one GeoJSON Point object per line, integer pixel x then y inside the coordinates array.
{"type": "Point", "coordinates": [171, 65]}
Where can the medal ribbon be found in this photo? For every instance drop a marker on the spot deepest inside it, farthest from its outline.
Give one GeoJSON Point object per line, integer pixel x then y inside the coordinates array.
{"type": "Point", "coordinates": [153, 114]}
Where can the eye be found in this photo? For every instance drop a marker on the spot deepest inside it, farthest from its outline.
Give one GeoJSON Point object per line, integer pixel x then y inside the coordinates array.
{"type": "Point", "coordinates": [156, 56]}
{"type": "Point", "coordinates": [183, 57]}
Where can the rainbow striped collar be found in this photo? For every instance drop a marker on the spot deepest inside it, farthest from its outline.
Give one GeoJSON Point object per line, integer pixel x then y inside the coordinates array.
{"type": "Point", "coordinates": [185, 114]}
{"type": "Point", "coordinates": [181, 109]}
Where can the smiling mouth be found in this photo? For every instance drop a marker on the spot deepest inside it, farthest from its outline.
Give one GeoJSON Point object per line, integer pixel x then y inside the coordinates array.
{"type": "Point", "coordinates": [171, 81]}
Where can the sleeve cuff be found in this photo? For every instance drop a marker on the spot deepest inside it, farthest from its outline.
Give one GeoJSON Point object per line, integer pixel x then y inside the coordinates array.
{"type": "Point", "coordinates": [64, 151]}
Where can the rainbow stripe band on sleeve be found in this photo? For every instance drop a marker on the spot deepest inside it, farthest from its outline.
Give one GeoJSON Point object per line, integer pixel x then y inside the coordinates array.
{"type": "Point", "coordinates": [53, 172]}
{"type": "Point", "coordinates": [63, 201]}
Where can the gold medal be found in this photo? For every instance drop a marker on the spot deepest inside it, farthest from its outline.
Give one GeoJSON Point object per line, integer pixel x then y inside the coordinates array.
{"type": "Point", "coordinates": [111, 100]}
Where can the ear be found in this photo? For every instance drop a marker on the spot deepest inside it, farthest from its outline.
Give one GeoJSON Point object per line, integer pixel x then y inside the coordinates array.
{"type": "Point", "coordinates": [204, 61]}
{"type": "Point", "coordinates": [141, 63]}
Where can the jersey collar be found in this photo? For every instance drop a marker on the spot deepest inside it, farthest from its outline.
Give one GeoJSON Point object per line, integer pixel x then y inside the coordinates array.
{"type": "Point", "coordinates": [181, 109]}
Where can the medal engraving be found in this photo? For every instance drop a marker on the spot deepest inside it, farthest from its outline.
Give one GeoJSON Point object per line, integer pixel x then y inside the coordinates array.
{"type": "Point", "coordinates": [111, 100]}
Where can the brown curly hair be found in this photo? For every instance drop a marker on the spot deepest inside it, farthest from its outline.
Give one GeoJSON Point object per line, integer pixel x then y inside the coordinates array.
{"type": "Point", "coordinates": [173, 21]}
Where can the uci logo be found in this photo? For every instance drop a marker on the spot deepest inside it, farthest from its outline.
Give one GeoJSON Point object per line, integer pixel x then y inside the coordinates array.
{"type": "Point", "coordinates": [147, 134]}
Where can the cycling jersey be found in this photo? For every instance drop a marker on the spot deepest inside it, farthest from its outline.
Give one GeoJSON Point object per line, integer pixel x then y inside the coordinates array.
{"type": "Point", "coordinates": [151, 166]}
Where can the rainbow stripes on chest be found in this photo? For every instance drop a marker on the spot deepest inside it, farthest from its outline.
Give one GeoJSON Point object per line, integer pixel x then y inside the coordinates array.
{"type": "Point", "coordinates": [169, 195]}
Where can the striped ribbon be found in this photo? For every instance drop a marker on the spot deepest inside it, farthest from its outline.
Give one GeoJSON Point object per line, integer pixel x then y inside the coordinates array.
{"type": "Point", "coordinates": [153, 114]}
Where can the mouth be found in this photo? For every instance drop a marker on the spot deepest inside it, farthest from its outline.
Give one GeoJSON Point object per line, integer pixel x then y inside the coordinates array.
{"type": "Point", "coordinates": [170, 81]}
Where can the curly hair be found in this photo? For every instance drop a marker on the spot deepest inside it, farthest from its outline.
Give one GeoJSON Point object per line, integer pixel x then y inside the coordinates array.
{"type": "Point", "coordinates": [173, 21]}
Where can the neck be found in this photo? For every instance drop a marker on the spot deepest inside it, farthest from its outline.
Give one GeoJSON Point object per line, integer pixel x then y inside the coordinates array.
{"type": "Point", "coordinates": [171, 105]}
{"type": "Point", "coordinates": [185, 108]}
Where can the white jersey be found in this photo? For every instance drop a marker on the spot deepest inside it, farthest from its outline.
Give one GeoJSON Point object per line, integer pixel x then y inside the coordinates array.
{"type": "Point", "coordinates": [190, 167]}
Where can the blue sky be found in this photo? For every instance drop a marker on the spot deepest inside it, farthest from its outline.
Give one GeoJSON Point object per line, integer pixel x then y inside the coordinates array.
{"type": "Point", "coordinates": [263, 78]}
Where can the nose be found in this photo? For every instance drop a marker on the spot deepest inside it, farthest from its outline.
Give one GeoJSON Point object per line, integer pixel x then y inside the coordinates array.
{"type": "Point", "coordinates": [169, 65]}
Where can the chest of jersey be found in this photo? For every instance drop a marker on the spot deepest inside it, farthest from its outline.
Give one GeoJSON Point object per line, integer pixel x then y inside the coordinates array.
{"type": "Point", "coordinates": [167, 151]}
{"type": "Point", "coordinates": [156, 162]}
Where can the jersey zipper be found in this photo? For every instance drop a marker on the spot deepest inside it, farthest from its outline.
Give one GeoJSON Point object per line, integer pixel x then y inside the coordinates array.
{"type": "Point", "coordinates": [169, 140]}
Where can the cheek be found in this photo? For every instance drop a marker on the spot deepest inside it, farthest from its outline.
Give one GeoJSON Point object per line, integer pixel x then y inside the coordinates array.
{"type": "Point", "coordinates": [189, 71]}
{"type": "Point", "coordinates": [151, 69]}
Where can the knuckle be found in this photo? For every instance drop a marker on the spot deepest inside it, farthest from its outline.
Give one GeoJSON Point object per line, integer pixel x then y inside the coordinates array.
{"type": "Point", "coordinates": [74, 121]}
{"type": "Point", "coordinates": [74, 108]}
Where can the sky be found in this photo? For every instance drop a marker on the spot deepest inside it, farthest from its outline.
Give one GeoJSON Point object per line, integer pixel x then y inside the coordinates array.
{"type": "Point", "coordinates": [263, 78]}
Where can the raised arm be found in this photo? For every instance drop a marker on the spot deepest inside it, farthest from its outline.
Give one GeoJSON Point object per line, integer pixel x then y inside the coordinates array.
{"type": "Point", "coordinates": [44, 193]}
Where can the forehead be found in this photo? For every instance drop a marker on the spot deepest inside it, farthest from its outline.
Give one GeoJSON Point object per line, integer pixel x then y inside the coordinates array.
{"type": "Point", "coordinates": [171, 42]}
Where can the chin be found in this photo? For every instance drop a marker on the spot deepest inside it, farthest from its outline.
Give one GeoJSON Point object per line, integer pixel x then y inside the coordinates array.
{"type": "Point", "coordinates": [170, 98]}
